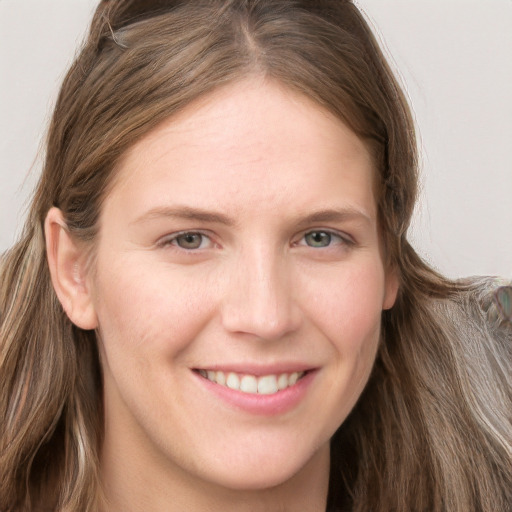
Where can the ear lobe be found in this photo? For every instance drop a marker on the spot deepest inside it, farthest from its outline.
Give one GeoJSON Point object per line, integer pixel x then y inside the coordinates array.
{"type": "Point", "coordinates": [67, 263]}
{"type": "Point", "coordinates": [391, 289]}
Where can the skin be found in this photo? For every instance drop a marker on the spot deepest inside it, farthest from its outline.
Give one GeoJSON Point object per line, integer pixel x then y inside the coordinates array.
{"type": "Point", "coordinates": [266, 280]}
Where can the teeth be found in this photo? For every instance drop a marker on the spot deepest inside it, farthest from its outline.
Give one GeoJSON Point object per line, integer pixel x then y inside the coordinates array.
{"type": "Point", "coordinates": [283, 381]}
{"type": "Point", "coordinates": [233, 382]}
{"type": "Point", "coordinates": [267, 385]}
{"type": "Point", "coordinates": [264, 385]}
{"type": "Point", "coordinates": [220, 378]}
{"type": "Point", "coordinates": [248, 384]}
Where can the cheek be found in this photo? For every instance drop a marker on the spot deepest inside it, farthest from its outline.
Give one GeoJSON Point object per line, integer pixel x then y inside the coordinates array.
{"type": "Point", "coordinates": [347, 310]}
{"type": "Point", "coordinates": [141, 309]}
{"type": "Point", "coordinates": [348, 307]}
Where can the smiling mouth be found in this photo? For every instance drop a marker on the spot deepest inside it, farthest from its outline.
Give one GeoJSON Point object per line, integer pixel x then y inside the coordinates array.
{"type": "Point", "coordinates": [252, 384]}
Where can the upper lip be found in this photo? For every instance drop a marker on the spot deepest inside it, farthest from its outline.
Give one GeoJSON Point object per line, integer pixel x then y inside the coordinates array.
{"type": "Point", "coordinates": [258, 370]}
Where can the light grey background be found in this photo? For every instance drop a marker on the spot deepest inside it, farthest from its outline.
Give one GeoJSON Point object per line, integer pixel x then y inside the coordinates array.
{"type": "Point", "coordinates": [454, 57]}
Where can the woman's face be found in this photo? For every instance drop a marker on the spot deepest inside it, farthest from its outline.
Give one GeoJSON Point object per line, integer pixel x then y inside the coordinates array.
{"type": "Point", "coordinates": [238, 289]}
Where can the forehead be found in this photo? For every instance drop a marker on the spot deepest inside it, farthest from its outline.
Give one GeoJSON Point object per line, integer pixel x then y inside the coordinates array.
{"type": "Point", "coordinates": [253, 140]}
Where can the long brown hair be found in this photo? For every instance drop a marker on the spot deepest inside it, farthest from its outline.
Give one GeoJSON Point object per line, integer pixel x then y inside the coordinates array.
{"type": "Point", "coordinates": [432, 429]}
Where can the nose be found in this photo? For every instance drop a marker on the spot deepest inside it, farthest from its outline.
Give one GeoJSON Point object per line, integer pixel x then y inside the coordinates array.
{"type": "Point", "coordinates": [259, 300]}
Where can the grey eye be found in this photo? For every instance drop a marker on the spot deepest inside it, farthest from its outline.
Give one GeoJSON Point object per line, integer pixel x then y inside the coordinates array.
{"type": "Point", "coordinates": [189, 240]}
{"type": "Point", "coordinates": [318, 239]}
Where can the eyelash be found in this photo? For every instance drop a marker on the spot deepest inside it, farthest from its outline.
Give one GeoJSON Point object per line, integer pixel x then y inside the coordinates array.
{"type": "Point", "coordinates": [173, 240]}
{"type": "Point", "coordinates": [343, 240]}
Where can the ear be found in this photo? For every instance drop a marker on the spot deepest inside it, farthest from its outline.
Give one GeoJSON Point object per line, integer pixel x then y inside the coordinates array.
{"type": "Point", "coordinates": [391, 288]}
{"type": "Point", "coordinates": [68, 270]}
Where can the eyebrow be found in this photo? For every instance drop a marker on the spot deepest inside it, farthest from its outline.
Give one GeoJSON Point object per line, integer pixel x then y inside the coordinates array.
{"type": "Point", "coordinates": [200, 215]}
{"type": "Point", "coordinates": [186, 213]}
{"type": "Point", "coordinates": [336, 215]}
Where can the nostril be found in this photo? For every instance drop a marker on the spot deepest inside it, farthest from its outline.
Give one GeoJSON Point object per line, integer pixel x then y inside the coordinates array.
{"type": "Point", "coordinates": [264, 325]}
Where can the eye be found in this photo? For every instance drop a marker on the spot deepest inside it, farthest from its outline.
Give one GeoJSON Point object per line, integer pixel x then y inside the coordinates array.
{"type": "Point", "coordinates": [320, 239]}
{"type": "Point", "coordinates": [188, 240]}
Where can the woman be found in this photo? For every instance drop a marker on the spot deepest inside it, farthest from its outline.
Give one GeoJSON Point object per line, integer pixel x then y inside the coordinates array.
{"type": "Point", "coordinates": [214, 305]}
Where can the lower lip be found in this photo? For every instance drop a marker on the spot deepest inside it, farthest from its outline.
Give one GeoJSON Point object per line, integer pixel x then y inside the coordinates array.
{"type": "Point", "coordinates": [265, 405]}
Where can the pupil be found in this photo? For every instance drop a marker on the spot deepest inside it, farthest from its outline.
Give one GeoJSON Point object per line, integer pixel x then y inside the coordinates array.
{"type": "Point", "coordinates": [190, 241]}
{"type": "Point", "coordinates": [319, 239]}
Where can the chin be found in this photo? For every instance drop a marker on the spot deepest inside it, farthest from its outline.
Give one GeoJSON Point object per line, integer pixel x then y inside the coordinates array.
{"type": "Point", "coordinates": [247, 481]}
{"type": "Point", "coordinates": [258, 474]}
